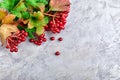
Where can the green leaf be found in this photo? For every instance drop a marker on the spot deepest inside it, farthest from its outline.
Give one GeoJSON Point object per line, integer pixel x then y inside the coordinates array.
{"type": "Point", "coordinates": [25, 15]}
{"type": "Point", "coordinates": [32, 3]}
{"type": "Point", "coordinates": [30, 32]}
{"type": "Point", "coordinates": [42, 23]}
{"type": "Point", "coordinates": [46, 19]}
{"type": "Point", "coordinates": [16, 2]}
{"type": "Point", "coordinates": [46, 9]}
{"type": "Point", "coordinates": [20, 7]}
{"type": "Point", "coordinates": [18, 14]}
{"type": "Point", "coordinates": [7, 4]}
{"type": "Point", "coordinates": [43, 1]}
{"type": "Point", "coordinates": [20, 27]}
{"type": "Point", "coordinates": [39, 15]}
{"type": "Point", "coordinates": [37, 19]}
{"type": "Point", "coordinates": [39, 23]}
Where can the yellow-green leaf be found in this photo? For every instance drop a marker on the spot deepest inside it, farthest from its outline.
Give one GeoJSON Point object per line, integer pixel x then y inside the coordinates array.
{"type": "Point", "coordinates": [40, 30]}
{"type": "Point", "coordinates": [8, 19]}
{"type": "Point", "coordinates": [3, 13]}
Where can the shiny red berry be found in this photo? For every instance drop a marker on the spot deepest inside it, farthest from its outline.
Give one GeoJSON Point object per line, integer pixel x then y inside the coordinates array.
{"type": "Point", "coordinates": [31, 40]}
{"type": "Point", "coordinates": [57, 53]}
{"type": "Point", "coordinates": [44, 39]}
{"type": "Point", "coordinates": [26, 34]}
{"type": "Point", "coordinates": [22, 31]}
{"type": "Point", "coordinates": [7, 46]}
{"type": "Point", "coordinates": [38, 43]}
{"type": "Point", "coordinates": [35, 42]}
{"type": "Point", "coordinates": [16, 50]}
{"type": "Point", "coordinates": [60, 39]}
{"type": "Point", "coordinates": [52, 38]}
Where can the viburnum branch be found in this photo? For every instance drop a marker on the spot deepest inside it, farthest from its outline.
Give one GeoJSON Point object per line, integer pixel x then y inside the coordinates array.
{"type": "Point", "coordinates": [29, 21]}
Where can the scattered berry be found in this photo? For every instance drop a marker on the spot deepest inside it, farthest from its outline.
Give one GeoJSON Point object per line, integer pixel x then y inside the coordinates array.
{"type": "Point", "coordinates": [52, 38]}
{"type": "Point", "coordinates": [60, 39]}
{"type": "Point", "coordinates": [57, 53]}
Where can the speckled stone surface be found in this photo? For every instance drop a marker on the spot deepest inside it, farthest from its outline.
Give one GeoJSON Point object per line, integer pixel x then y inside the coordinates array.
{"type": "Point", "coordinates": [90, 49]}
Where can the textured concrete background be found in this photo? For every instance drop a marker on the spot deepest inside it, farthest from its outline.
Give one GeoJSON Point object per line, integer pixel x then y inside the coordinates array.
{"type": "Point", "coordinates": [90, 50]}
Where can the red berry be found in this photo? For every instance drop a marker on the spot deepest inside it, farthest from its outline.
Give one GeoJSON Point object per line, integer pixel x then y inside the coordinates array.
{"type": "Point", "coordinates": [16, 44]}
{"type": "Point", "coordinates": [31, 40]}
{"type": "Point", "coordinates": [26, 34]}
{"type": "Point", "coordinates": [60, 39]}
{"type": "Point", "coordinates": [20, 38]}
{"type": "Point", "coordinates": [11, 50]}
{"type": "Point", "coordinates": [61, 24]}
{"type": "Point", "coordinates": [57, 53]}
{"type": "Point", "coordinates": [22, 35]}
{"type": "Point", "coordinates": [58, 31]}
{"type": "Point", "coordinates": [40, 40]}
{"type": "Point", "coordinates": [44, 39]}
{"type": "Point", "coordinates": [16, 50]}
{"type": "Point", "coordinates": [23, 39]}
{"type": "Point", "coordinates": [35, 42]}
{"type": "Point", "coordinates": [52, 38]}
{"type": "Point", "coordinates": [7, 46]}
{"type": "Point", "coordinates": [51, 22]}
{"type": "Point", "coordinates": [19, 41]}
{"type": "Point", "coordinates": [22, 31]}
{"type": "Point", "coordinates": [18, 31]}
{"type": "Point", "coordinates": [38, 43]}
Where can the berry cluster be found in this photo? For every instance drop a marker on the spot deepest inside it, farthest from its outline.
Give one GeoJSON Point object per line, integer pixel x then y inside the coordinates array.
{"type": "Point", "coordinates": [15, 39]}
{"type": "Point", "coordinates": [57, 23]}
{"type": "Point", "coordinates": [39, 40]}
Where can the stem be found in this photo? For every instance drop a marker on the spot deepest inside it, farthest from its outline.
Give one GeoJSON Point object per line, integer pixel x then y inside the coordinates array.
{"type": "Point", "coordinates": [49, 15]}
{"type": "Point", "coordinates": [48, 11]}
{"type": "Point", "coordinates": [53, 20]}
